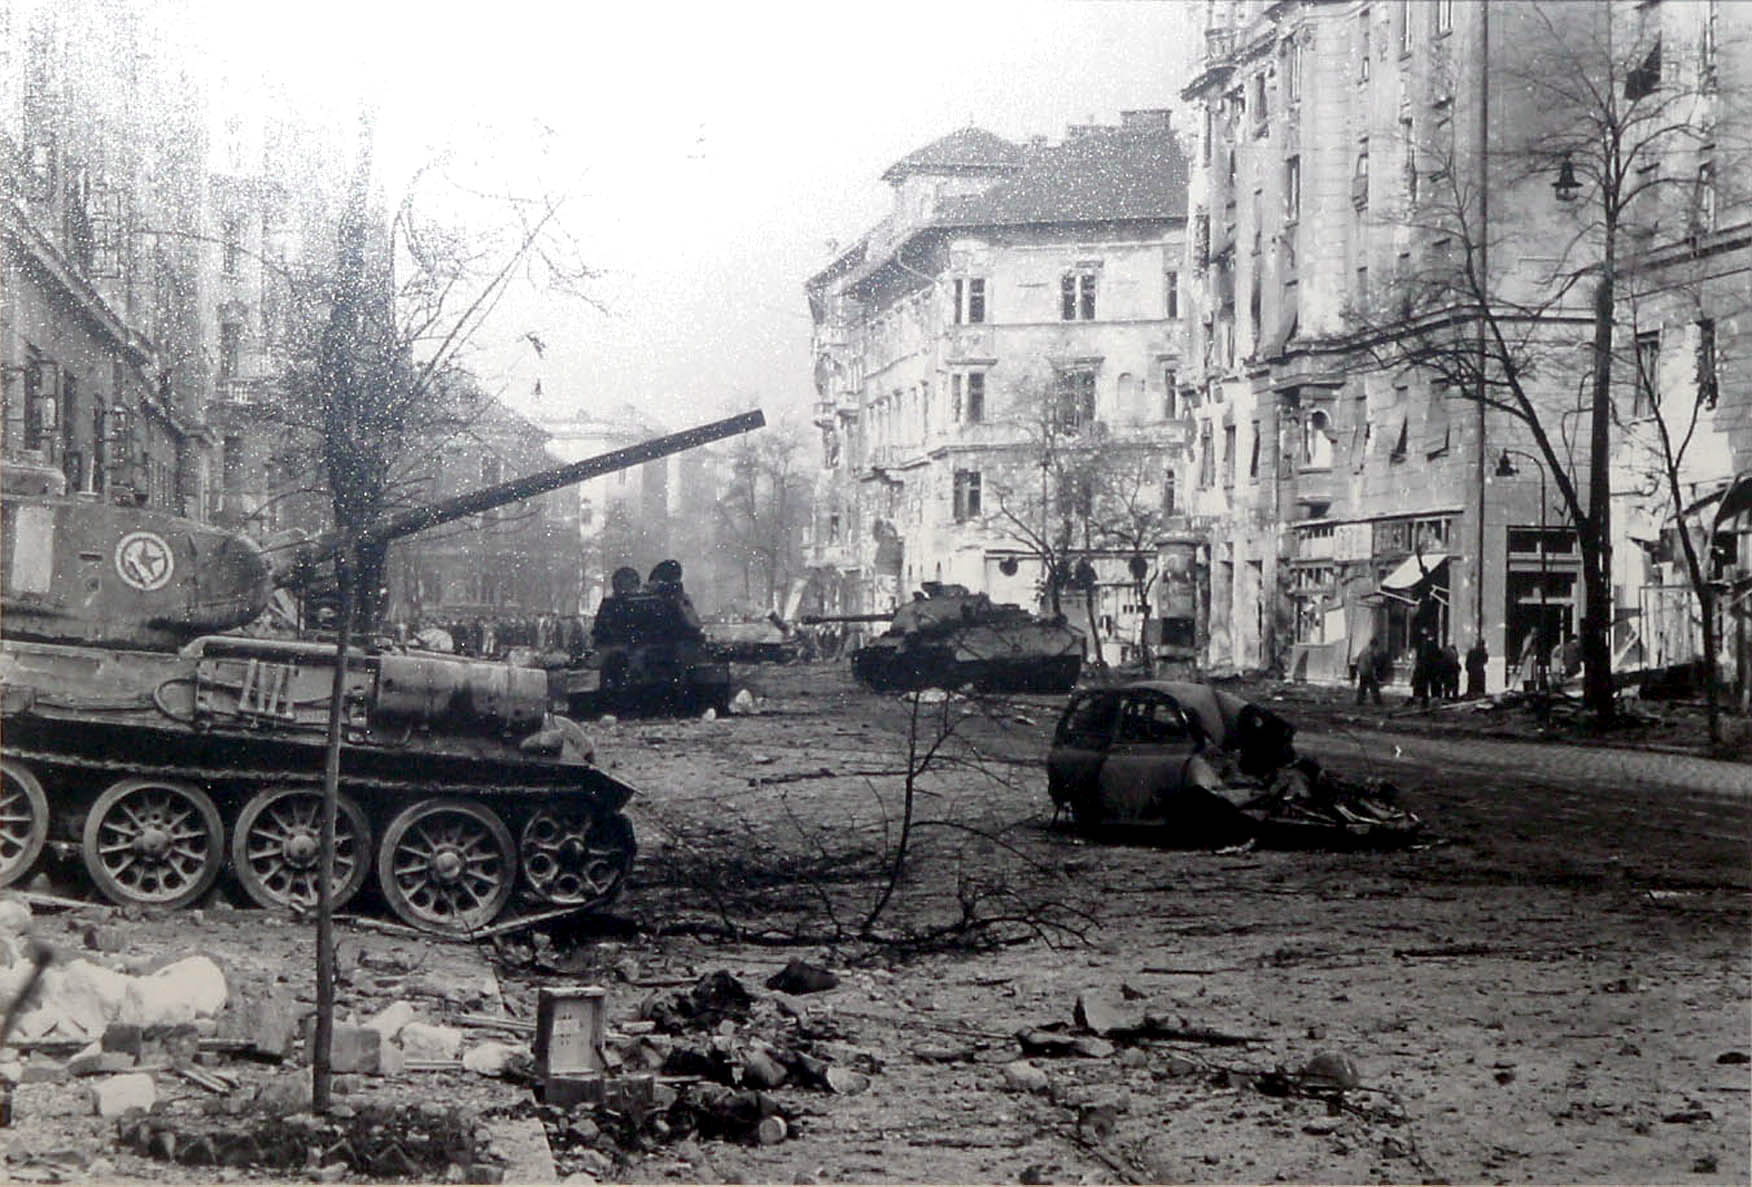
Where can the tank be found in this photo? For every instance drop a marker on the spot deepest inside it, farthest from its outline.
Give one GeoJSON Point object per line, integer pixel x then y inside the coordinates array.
{"type": "Point", "coordinates": [165, 751]}
{"type": "Point", "coordinates": [769, 640]}
{"type": "Point", "coordinates": [947, 637]}
{"type": "Point", "coordinates": [648, 652]}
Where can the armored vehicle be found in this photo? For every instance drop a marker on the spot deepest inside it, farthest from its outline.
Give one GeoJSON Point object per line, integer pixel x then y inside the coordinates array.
{"type": "Point", "coordinates": [947, 637]}
{"type": "Point", "coordinates": [162, 750]}
{"type": "Point", "coordinates": [649, 652]}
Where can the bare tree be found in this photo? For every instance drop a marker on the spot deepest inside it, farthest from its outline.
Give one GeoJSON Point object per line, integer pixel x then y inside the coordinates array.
{"type": "Point", "coordinates": [762, 513]}
{"type": "Point", "coordinates": [1615, 131]}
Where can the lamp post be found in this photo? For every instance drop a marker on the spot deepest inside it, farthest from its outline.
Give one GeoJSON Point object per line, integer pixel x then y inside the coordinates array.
{"type": "Point", "coordinates": [1541, 652]}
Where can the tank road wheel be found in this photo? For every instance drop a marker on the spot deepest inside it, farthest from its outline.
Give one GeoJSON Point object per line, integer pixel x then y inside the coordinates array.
{"type": "Point", "coordinates": [577, 858]}
{"type": "Point", "coordinates": [447, 865]}
{"type": "Point", "coordinates": [274, 847]}
{"type": "Point", "coordinates": [153, 842]}
{"type": "Point", "coordinates": [24, 821]}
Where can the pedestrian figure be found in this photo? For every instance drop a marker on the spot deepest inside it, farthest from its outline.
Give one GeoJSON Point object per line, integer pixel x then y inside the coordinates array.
{"type": "Point", "coordinates": [1476, 657]}
{"type": "Point", "coordinates": [1450, 673]}
{"type": "Point", "coordinates": [1370, 661]}
{"type": "Point", "coordinates": [1426, 659]}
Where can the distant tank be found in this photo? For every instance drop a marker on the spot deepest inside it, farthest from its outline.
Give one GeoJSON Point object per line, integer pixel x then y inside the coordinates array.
{"type": "Point", "coordinates": [649, 652]}
{"type": "Point", "coordinates": [947, 637]}
{"type": "Point", "coordinates": [162, 751]}
{"type": "Point", "coordinates": [769, 640]}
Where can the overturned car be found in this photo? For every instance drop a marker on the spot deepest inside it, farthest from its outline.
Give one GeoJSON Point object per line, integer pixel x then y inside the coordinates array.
{"type": "Point", "coordinates": [1199, 765]}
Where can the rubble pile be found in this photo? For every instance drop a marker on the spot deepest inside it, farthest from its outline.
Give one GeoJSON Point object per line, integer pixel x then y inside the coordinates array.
{"type": "Point", "coordinates": [711, 1062]}
{"type": "Point", "coordinates": [379, 1142]}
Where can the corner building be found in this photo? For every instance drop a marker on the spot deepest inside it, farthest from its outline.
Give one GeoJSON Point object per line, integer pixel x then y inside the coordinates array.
{"type": "Point", "coordinates": [1002, 270]}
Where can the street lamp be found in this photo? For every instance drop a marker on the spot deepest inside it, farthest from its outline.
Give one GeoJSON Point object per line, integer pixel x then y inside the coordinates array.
{"type": "Point", "coordinates": [1541, 652]}
{"type": "Point", "coordinates": [1566, 187]}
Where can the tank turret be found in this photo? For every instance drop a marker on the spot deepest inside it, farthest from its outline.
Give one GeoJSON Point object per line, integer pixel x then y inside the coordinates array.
{"type": "Point", "coordinates": [948, 637]}
{"type": "Point", "coordinates": [649, 651]}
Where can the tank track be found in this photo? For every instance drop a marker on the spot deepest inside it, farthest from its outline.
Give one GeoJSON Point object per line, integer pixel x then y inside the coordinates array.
{"type": "Point", "coordinates": [557, 865]}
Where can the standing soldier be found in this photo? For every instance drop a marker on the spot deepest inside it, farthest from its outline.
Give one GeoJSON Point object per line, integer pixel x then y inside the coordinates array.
{"type": "Point", "coordinates": [1476, 657]}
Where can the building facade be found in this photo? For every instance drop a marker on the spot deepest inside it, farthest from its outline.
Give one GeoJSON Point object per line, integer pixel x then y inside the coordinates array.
{"type": "Point", "coordinates": [1355, 157]}
{"type": "Point", "coordinates": [101, 371]}
{"type": "Point", "coordinates": [1014, 318]}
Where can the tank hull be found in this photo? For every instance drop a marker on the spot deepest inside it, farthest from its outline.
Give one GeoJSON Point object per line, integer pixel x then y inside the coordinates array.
{"type": "Point", "coordinates": [167, 770]}
{"type": "Point", "coordinates": [903, 669]}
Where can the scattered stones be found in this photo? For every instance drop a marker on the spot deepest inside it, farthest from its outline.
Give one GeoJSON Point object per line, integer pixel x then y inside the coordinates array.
{"type": "Point", "coordinates": [14, 917]}
{"type": "Point", "coordinates": [846, 1082]}
{"type": "Point", "coordinates": [799, 976]}
{"type": "Point", "coordinates": [1332, 1069]}
{"type": "Point", "coordinates": [355, 1049]}
{"type": "Point", "coordinates": [496, 1059]}
{"type": "Point", "coordinates": [180, 992]}
{"type": "Point", "coordinates": [421, 1040]}
{"type": "Point", "coordinates": [101, 937]}
{"type": "Point", "coordinates": [742, 703]}
{"type": "Point", "coordinates": [390, 1020]}
{"type": "Point", "coordinates": [118, 1094]}
{"type": "Point", "coordinates": [1734, 1057]}
{"type": "Point", "coordinates": [1100, 1017]}
{"type": "Point", "coordinates": [286, 1094]}
{"type": "Point", "coordinates": [1022, 1076]}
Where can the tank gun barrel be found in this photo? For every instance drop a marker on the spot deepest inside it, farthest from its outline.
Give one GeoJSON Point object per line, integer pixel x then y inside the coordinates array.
{"type": "Point", "coordinates": [818, 619]}
{"type": "Point", "coordinates": [419, 519]}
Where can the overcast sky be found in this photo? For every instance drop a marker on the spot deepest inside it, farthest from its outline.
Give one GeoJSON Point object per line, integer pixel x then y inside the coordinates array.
{"type": "Point", "coordinates": [708, 152]}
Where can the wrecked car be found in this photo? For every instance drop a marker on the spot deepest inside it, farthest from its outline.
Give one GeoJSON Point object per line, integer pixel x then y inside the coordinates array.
{"type": "Point", "coordinates": [1201, 765]}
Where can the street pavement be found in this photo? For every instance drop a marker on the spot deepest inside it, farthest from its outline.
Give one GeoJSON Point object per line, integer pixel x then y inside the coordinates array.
{"type": "Point", "coordinates": [1563, 764]}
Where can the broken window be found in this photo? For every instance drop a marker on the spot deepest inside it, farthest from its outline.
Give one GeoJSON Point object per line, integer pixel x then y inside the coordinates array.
{"type": "Point", "coordinates": [1707, 389]}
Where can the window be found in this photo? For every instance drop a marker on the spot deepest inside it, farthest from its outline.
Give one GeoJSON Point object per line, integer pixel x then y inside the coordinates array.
{"type": "Point", "coordinates": [1363, 286]}
{"type": "Point", "coordinates": [230, 348]}
{"type": "Point", "coordinates": [1171, 294]}
{"type": "Point", "coordinates": [970, 301]}
{"type": "Point", "coordinates": [1648, 371]}
{"type": "Point", "coordinates": [1077, 296]}
{"type": "Point", "coordinates": [1201, 240]}
{"type": "Point", "coordinates": [232, 249]}
{"type": "Point", "coordinates": [1360, 176]}
{"type": "Point", "coordinates": [1170, 394]}
{"type": "Point", "coordinates": [1253, 461]}
{"type": "Point", "coordinates": [1402, 442]}
{"type": "Point", "coordinates": [1228, 455]}
{"type": "Point", "coordinates": [1207, 464]}
{"type": "Point", "coordinates": [1168, 492]}
{"type": "Point", "coordinates": [1292, 189]}
{"type": "Point", "coordinates": [1709, 40]}
{"type": "Point", "coordinates": [1151, 719]}
{"type": "Point", "coordinates": [1259, 104]}
{"type": "Point", "coordinates": [1292, 71]}
{"type": "Point", "coordinates": [1363, 18]}
{"type": "Point", "coordinates": [1444, 17]}
{"type": "Point", "coordinates": [1317, 440]}
{"type": "Point", "coordinates": [1645, 79]}
{"type": "Point", "coordinates": [1405, 11]}
{"type": "Point", "coordinates": [967, 489]}
{"type": "Point", "coordinates": [1076, 494]}
{"type": "Point", "coordinates": [1703, 202]}
{"type": "Point", "coordinates": [1076, 400]}
{"type": "Point", "coordinates": [1408, 132]}
{"type": "Point", "coordinates": [833, 528]}
{"type": "Point", "coordinates": [975, 397]}
{"type": "Point", "coordinates": [1707, 386]}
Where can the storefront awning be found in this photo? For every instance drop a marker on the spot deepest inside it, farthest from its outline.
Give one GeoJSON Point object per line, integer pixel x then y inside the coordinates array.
{"type": "Point", "coordinates": [1413, 571]}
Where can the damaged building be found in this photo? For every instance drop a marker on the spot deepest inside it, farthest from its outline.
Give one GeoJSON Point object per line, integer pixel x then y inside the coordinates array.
{"type": "Point", "coordinates": [1346, 152]}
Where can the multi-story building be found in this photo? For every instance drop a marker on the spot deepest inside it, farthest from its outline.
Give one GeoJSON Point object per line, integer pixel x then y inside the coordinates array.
{"type": "Point", "coordinates": [101, 372]}
{"type": "Point", "coordinates": [1015, 315]}
{"type": "Point", "coordinates": [1348, 150]}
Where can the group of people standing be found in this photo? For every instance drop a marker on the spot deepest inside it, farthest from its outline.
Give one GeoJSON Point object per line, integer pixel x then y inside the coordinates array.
{"type": "Point", "coordinates": [1435, 670]}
